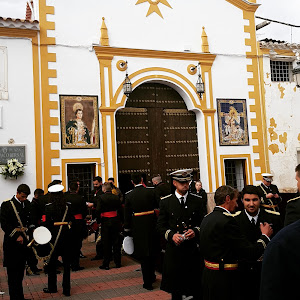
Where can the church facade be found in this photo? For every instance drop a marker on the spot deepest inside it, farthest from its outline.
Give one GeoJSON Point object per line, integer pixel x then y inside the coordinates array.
{"type": "Point", "coordinates": [64, 98]}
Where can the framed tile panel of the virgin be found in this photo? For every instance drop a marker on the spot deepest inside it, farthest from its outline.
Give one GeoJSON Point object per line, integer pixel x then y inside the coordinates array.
{"type": "Point", "coordinates": [79, 122]}
{"type": "Point", "coordinates": [233, 125]}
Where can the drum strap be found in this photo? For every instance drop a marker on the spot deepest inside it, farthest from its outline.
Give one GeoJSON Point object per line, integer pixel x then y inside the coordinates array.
{"type": "Point", "coordinates": [22, 229]}
{"type": "Point", "coordinates": [58, 235]}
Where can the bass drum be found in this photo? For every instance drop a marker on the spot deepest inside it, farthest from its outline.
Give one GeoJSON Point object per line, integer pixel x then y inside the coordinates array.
{"type": "Point", "coordinates": [42, 247]}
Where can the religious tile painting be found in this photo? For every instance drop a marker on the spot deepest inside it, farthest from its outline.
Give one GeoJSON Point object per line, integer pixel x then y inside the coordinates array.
{"type": "Point", "coordinates": [233, 126]}
{"type": "Point", "coordinates": [79, 122]}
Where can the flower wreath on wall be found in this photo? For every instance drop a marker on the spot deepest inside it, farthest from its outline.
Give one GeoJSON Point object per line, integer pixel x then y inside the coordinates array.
{"type": "Point", "coordinates": [12, 169]}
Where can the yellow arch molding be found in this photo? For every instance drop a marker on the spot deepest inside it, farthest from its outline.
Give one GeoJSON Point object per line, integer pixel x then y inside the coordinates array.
{"type": "Point", "coordinates": [156, 77]}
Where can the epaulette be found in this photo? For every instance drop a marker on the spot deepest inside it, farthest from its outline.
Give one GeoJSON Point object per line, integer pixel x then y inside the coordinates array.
{"type": "Point", "coordinates": [165, 197]}
{"type": "Point", "coordinates": [227, 214]}
{"type": "Point", "coordinates": [128, 192]}
{"type": "Point", "coordinates": [6, 200]}
{"type": "Point", "coordinates": [69, 203]}
{"type": "Point", "coordinates": [237, 213]}
{"type": "Point", "coordinates": [293, 199]}
{"type": "Point", "coordinates": [48, 203]}
{"type": "Point", "coordinates": [272, 212]}
{"type": "Point", "coordinates": [195, 195]}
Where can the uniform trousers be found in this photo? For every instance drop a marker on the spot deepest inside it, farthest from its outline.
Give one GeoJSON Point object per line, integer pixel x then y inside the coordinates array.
{"type": "Point", "coordinates": [52, 275]}
{"type": "Point", "coordinates": [15, 275]}
{"type": "Point", "coordinates": [110, 237]}
{"type": "Point", "coordinates": [148, 269]}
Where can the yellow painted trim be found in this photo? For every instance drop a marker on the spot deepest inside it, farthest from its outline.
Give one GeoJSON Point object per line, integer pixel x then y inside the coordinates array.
{"type": "Point", "coordinates": [263, 108]}
{"type": "Point", "coordinates": [248, 166]}
{"type": "Point", "coordinates": [255, 84]}
{"type": "Point", "coordinates": [33, 34]}
{"type": "Point", "coordinates": [119, 65]}
{"type": "Point", "coordinates": [244, 5]}
{"type": "Point", "coordinates": [105, 147]}
{"type": "Point", "coordinates": [64, 163]}
{"type": "Point", "coordinates": [203, 58]}
{"type": "Point", "coordinates": [285, 52]}
{"type": "Point", "coordinates": [131, 76]}
{"type": "Point", "coordinates": [48, 89]}
{"type": "Point", "coordinates": [208, 154]}
{"type": "Point", "coordinates": [192, 69]}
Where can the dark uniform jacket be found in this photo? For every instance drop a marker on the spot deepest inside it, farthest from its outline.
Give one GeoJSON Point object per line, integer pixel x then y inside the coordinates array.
{"type": "Point", "coordinates": [280, 268]}
{"type": "Point", "coordinates": [108, 202]}
{"type": "Point", "coordinates": [161, 190]}
{"type": "Point", "coordinates": [14, 252]}
{"type": "Point", "coordinates": [182, 263]}
{"type": "Point", "coordinates": [292, 211]}
{"type": "Point", "coordinates": [269, 203]}
{"type": "Point", "coordinates": [79, 212]}
{"type": "Point", "coordinates": [38, 209]}
{"type": "Point", "coordinates": [202, 194]}
{"type": "Point", "coordinates": [95, 194]}
{"type": "Point", "coordinates": [143, 227]}
{"type": "Point", "coordinates": [250, 270]}
{"type": "Point", "coordinates": [222, 242]}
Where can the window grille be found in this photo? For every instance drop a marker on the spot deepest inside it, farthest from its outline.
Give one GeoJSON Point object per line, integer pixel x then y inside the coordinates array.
{"type": "Point", "coordinates": [235, 173]}
{"type": "Point", "coordinates": [281, 70]}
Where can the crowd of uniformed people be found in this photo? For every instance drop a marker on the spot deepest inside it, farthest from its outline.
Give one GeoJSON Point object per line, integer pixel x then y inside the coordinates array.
{"type": "Point", "coordinates": [210, 256]}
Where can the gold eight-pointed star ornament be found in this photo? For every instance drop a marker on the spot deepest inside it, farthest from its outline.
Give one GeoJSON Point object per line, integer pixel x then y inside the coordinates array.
{"type": "Point", "coordinates": [154, 6]}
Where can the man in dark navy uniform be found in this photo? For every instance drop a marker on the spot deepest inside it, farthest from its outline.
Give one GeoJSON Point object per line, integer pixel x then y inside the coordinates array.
{"type": "Point", "coordinates": [249, 221]}
{"type": "Point", "coordinates": [79, 211]}
{"type": "Point", "coordinates": [109, 213]}
{"type": "Point", "coordinates": [15, 239]}
{"type": "Point", "coordinates": [160, 189]}
{"type": "Point", "coordinates": [222, 245]}
{"type": "Point", "coordinates": [179, 222]}
{"type": "Point", "coordinates": [140, 222]}
{"type": "Point", "coordinates": [269, 193]}
{"type": "Point", "coordinates": [292, 210]}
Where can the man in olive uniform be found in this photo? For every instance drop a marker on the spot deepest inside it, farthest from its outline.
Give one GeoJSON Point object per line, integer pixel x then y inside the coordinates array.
{"type": "Point", "coordinates": [179, 222]}
{"type": "Point", "coordinates": [109, 212]}
{"type": "Point", "coordinates": [249, 221]}
{"type": "Point", "coordinates": [15, 239]}
{"type": "Point", "coordinates": [79, 211]}
{"type": "Point", "coordinates": [222, 245]}
{"type": "Point", "coordinates": [292, 210]}
{"type": "Point", "coordinates": [269, 193]}
{"type": "Point", "coordinates": [140, 222]}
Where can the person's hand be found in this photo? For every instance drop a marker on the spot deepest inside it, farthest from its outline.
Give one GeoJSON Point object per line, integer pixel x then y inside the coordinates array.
{"type": "Point", "coordinates": [177, 238]}
{"type": "Point", "coordinates": [270, 195]}
{"type": "Point", "coordinates": [89, 204]}
{"type": "Point", "coordinates": [276, 195]}
{"type": "Point", "coordinates": [266, 229]}
{"type": "Point", "coordinates": [20, 240]}
{"type": "Point", "coordinates": [189, 234]}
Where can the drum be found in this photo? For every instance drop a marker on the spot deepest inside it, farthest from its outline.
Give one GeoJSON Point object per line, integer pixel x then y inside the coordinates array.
{"type": "Point", "coordinates": [41, 245]}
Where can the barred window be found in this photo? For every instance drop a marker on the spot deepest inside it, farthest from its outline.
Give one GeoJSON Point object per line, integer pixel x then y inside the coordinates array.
{"type": "Point", "coordinates": [281, 70]}
{"type": "Point", "coordinates": [235, 175]}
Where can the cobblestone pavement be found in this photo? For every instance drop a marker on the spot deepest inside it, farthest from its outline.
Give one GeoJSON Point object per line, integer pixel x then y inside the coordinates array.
{"type": "Point", "coordinates": [92, 282]}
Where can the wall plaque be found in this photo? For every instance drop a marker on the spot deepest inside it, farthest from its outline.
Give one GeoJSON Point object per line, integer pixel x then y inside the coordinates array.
{"type": "Point", "coordinates": [9, 152]}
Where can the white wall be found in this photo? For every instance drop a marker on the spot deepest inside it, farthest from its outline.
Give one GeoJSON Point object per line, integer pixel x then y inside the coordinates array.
{"type": "Point", "coordinates": [285, 110]}
{"type": "Point", "coordinates": [18, 111]}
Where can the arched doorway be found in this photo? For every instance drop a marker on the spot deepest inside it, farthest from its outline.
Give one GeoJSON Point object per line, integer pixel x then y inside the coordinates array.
{"type": "Point", "coordinates": [156, 134]}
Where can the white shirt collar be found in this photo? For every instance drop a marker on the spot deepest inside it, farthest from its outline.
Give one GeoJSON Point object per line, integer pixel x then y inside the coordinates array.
{"type": "Point", "coordinates": [250, 217]}
{"type": "Point", "coordinates": [224, 208]}
{"type": "Point", "coordinates": [179, 196]}
{"type": "Point", "coordinates": [18, 200]}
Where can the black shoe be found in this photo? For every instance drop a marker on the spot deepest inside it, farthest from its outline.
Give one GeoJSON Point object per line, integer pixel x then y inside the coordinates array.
{"type": "Point", "coordinates": [148, 287]}
{"type": "Point", "coordinates": [47, 291]}
{"type": "Point", "coordinates": [97, 257]}
{"type": "Point", "coordinates": [104, 267]}
{"type": "Point", "coordinates": [67, 293]}
{"type": "Point", "coordinates": [77, 269]}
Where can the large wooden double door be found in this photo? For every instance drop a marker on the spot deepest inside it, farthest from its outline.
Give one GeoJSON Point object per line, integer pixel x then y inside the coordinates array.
{"type": "Point", "coordinates": [156, 134]}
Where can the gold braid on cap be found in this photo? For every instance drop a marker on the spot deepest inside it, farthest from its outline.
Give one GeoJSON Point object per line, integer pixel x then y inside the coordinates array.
{"type": "Point", "coordinates": [77, 106]}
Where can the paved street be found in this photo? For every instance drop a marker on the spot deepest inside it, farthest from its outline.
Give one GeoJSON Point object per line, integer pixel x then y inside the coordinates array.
{"type": "Point", "coordinates": [91, 283]}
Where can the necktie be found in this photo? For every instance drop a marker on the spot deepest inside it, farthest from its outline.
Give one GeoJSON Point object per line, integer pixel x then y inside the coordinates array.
{"type": "Point", "coordinates": [253, 221]}
{"type": "Point", "coordinates": [182, 202]}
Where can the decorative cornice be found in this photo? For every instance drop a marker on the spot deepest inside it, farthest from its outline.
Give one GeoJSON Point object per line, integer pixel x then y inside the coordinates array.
{"type": "Point", "coordinates": [204, 58]}
{"type": "Point", "coordinates": [244, 5]}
